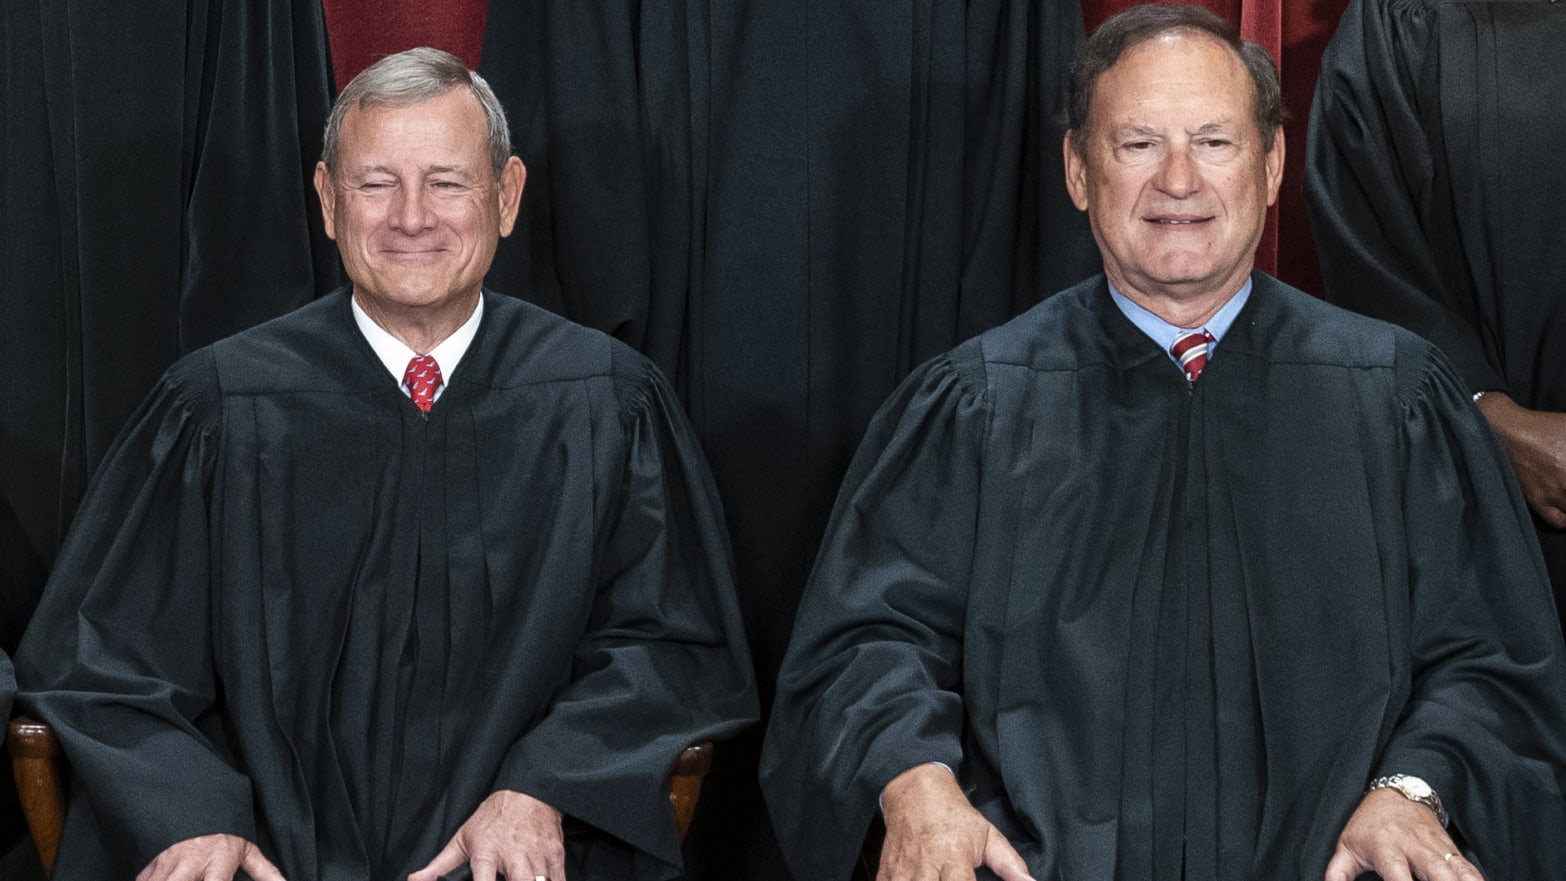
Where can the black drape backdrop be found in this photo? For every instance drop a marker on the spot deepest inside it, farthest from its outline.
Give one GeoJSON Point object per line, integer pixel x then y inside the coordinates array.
{"type": "Point", "coordinates": [156, 161]}
{"type": "Point", "coordinates": [786, 204]}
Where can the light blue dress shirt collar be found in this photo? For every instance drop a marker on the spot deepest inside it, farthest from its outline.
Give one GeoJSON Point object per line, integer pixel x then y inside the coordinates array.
{"type": "Point", "coordinates": [1164, 334]}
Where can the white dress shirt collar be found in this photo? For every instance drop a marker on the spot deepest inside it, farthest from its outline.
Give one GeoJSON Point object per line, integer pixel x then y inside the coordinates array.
{"type": "Point", "coordinates": [396, 354]}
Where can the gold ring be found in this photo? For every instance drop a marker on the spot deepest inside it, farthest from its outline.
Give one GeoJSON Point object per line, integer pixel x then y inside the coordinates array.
{"type": "Point", "coordinates": [1448, 858]}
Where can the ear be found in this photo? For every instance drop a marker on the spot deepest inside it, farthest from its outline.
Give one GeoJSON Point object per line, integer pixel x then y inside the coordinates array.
{"type": "Point", "coordinates": [1076, 173]}
{"type": "Point", "coordinates": [1275, 167]}
{"type": "Point", "coordinates": [512, 178]}
{"type": "Point", "coordinates": [328, 194]}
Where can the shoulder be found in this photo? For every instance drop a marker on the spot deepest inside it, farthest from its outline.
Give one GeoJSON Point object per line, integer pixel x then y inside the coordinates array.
{"type": "Point", "coordinates": [530, 345]}
{"type": "Point", "coordinates": [305, 349]}
{"type": "Point", "coordinates": [1054, 338]}
{"type": "Point", "coordinates": [1285, 325]}
{"type": "Point", "coordinates": [1067, 331]}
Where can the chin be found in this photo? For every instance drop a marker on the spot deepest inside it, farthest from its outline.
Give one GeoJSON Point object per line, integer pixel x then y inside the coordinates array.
{"type": "Point", "coordinates": [1184, 272]}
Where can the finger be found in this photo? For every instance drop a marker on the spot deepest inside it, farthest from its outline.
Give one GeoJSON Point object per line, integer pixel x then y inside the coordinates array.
{"type": "Point", "coordinates": [450, 857]}
{"type": "Point", "coordinates": [1465, 870]}
{"type": "Point", "coordinates": [259, 867]}
{"type": "Point", "coordinates": [220, 868]}
{"type": "Point", "coordinates": [484, 869]}
{"type": "Point", "coordinates": [1451, 866]}
{"type": "Point", "coordinates": [1395, 869]}
{"type": "Point", "coordinates": [1000, 856]}
{"type": "Point", "coordinates": [522, 867]}
{"type": "Point", "coordinates": [185, 866]}
{"type": "Point", "coordinates": [554, 857]}
{"type": "Point", "coordinates": [1343, 866]}
{"type": "Point", "coordinates": [170, 865]}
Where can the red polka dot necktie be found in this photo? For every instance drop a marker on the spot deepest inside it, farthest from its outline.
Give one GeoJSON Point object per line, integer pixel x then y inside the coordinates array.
{"type": "Point", "coordinates": [1191, 349]}
{"type": "Point", "coordinates": [421, 380]}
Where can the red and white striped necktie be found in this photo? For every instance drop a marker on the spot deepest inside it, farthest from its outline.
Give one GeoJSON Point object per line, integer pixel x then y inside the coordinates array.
{"type": "Point", "coordinates": [1191, 349]}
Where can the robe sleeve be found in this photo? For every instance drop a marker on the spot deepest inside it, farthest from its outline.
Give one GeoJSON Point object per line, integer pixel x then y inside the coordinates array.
{"type": "Point", "coordinates": [870, 685]}
{"type": "Point", "coordinates": [118, 657]}
{"type": "Point", "coordinates": [7, 687]}
{"type": "Point", "coordinates": [663, 663]}
{"type": "Point", "coordinates": [1485, 723]}
{"type": "Point", "coordinates": [1376, 185]}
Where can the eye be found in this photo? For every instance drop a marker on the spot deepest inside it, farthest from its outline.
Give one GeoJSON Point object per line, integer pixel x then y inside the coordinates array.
{"type": "Point", "coordinates": [1137, 145]}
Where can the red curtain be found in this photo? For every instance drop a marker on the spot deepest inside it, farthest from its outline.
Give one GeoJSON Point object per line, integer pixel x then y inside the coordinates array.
{"type": "Point", "coordinates": [1295, 32]}
{"type": "Point", "coordinates": [364, 31]}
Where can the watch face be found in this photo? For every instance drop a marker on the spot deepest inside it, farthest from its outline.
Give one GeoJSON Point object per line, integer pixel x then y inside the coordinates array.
{"type": "Point", "coordinates": [1413, 787]}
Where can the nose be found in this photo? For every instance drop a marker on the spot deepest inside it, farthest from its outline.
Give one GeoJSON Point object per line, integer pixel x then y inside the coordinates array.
{"type": "Point", "coordinates": [1178, 175]}
{"type": "Point", "coordinates": [410, 212]}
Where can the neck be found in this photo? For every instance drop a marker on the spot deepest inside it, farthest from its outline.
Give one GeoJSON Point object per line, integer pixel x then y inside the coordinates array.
{"type": "Point", "coordinates": [421, 328]}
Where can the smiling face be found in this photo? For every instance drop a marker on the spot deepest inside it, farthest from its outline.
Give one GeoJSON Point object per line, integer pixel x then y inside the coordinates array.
{"type": "Point", "coordinates": [1174, 175]}
{"type": "Point", "coordinates": [415, 208]}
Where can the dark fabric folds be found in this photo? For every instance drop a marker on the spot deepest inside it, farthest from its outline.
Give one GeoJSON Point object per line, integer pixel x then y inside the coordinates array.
{"type": "Point", "coordinates": [297, 609]}
{"type": "Point", "coordinates": [1433, 183]}
{"type": "Point", "coordinates": [786, 206]}
{"type": "Point", "coordinates": [1167, 632]}
{"type": "Point", "coordinates": [160, 152]}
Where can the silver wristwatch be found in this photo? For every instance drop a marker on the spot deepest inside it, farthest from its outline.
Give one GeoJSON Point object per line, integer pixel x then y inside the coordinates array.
{"type": "Point", "coordinates": [1413, 789]}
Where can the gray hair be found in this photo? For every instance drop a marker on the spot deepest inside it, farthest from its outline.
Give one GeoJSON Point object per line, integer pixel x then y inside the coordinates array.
{"type": "Point", "coordinates": [1135, 26]}
{"type": "Point", "coordinates": [413, 77]}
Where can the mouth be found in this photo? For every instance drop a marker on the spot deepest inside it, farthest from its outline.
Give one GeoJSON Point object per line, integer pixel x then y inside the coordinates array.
{"type": "Point", "coordinates": [1177, 220]}
{"type": "Point", "coordinates": [413, 255]}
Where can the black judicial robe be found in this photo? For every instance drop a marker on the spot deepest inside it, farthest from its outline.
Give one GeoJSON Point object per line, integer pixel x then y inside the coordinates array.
{"type": "Point", "coordinates": [295, 609]}
{"type": "Point", "coordinates": [1434, 179]}
{"type": "Point", "coordinates": [1156, 626]}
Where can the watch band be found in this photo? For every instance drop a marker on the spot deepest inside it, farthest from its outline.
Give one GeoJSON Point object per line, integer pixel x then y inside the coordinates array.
{"type": "Point", "coordinates": [1414, 789]}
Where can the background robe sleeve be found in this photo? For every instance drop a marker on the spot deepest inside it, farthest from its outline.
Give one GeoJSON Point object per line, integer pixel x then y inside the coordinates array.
{"type": "Point", "coordinates": [869, 687]}
{"type": "Point", "coordinates": [1485, 723]}
{"type": "Point", "coordinates": [118, 657]}
{"type": "Point", "coordinates": [7, 686]}
{"type": "Point", "coordinates": [1375, 183]}
{"type": "Point", "coordinates": [663, 662]}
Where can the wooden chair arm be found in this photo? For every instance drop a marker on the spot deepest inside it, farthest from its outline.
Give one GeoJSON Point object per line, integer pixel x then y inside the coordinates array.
{"type": "Point", "coordinates": [39, 767]}
{"type": "Point", "coordinates": [685, 783]}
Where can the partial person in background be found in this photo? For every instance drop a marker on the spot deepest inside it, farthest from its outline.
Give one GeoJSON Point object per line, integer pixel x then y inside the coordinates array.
{"type": "Point", "coordinates": [1437, 191]}
{"type": "Point", "coordinates": [413, 578]}
{"type": "Point", "coordinates": [1182, 574]}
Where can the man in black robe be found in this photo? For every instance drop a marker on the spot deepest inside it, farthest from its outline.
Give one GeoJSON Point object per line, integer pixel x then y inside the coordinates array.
{"type": "Point", "coordinates": [314, 625]}
{"type": "Point", "coordinates": [1182, 574]}
{"type": "Point", "coordinates": [1435, 181]}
